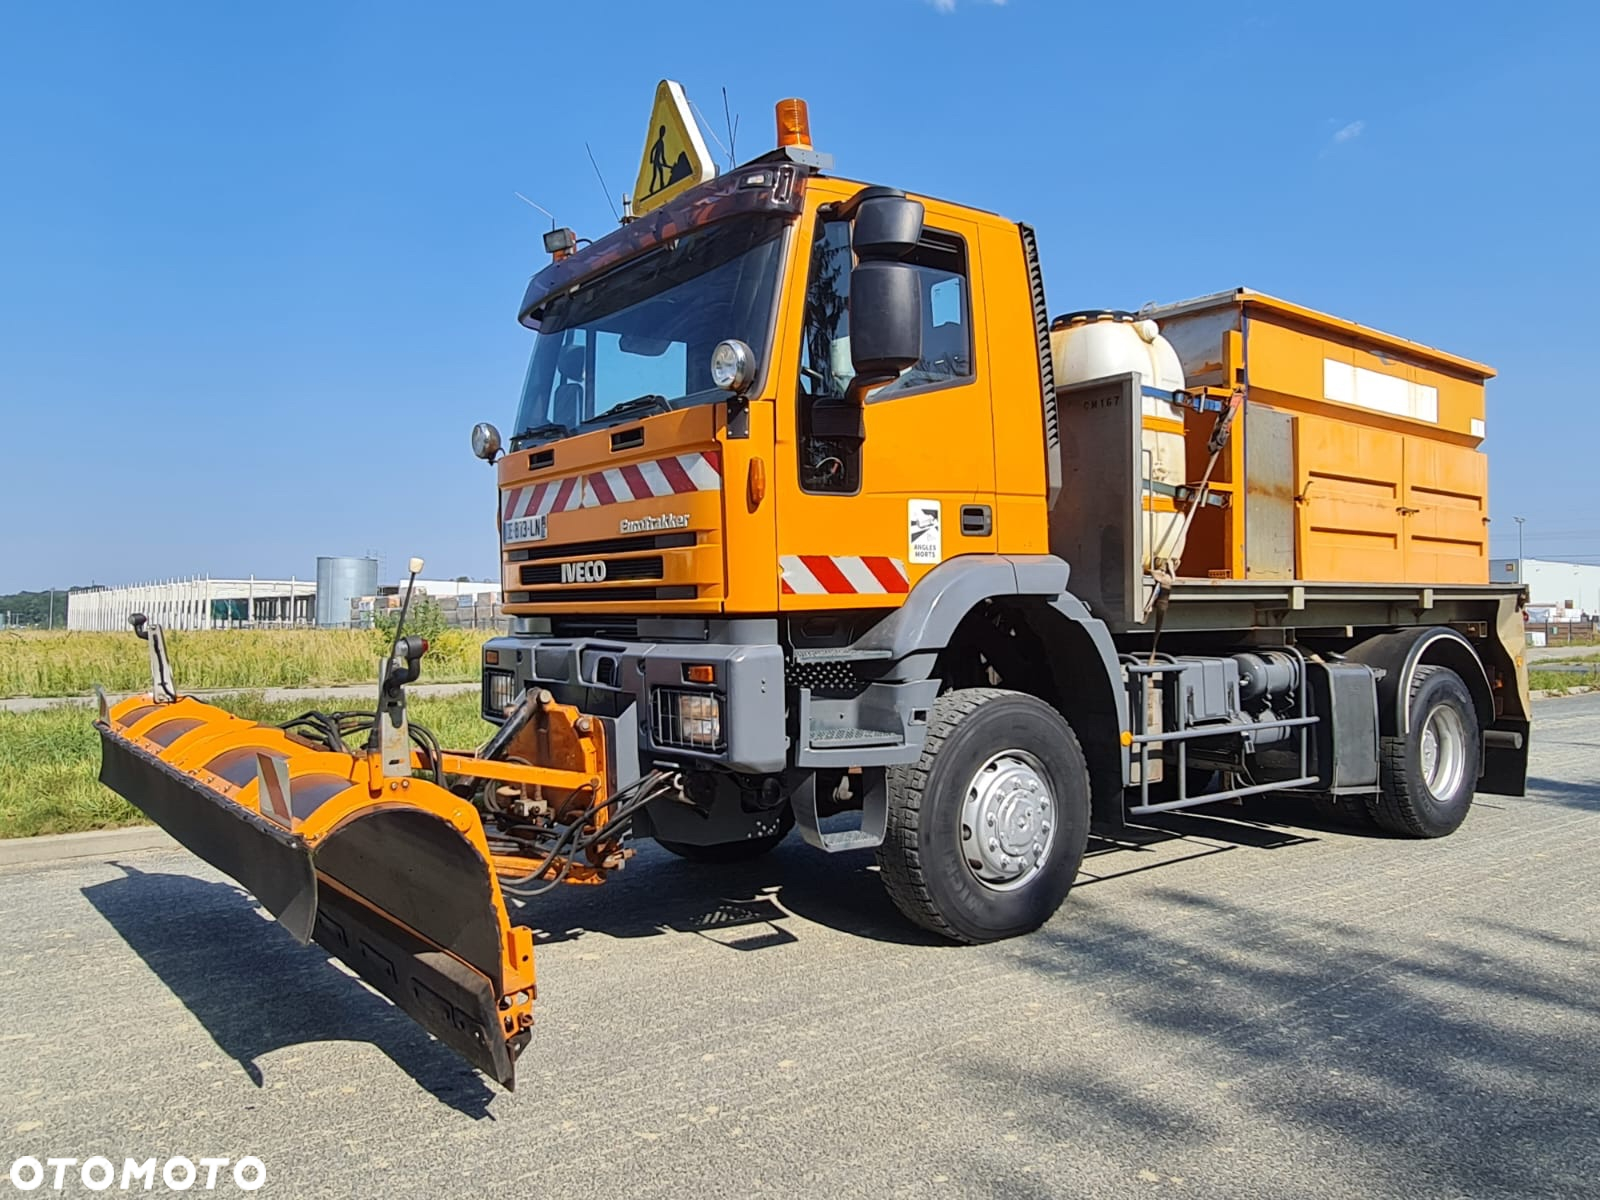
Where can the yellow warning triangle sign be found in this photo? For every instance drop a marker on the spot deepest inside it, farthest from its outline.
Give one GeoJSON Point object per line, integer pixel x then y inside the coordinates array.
{"type": "Point", "coordinates": [675, 156]}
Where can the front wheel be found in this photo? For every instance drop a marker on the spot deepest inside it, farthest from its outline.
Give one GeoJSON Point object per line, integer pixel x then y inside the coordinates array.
{"type": "Point", "coordinates": [1427, 779]}
{"type": "Point", "coordinates": [987, 828]}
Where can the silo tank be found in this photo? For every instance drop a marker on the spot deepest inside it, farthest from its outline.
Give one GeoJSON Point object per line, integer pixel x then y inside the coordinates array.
{"type": "Point", "coordinates": [341, 579]}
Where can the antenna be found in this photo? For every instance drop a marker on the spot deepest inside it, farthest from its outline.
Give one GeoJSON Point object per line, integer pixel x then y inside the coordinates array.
{"type": "Point", "coordinates": [733, 129]}
{"type": "Point", "coordinates": [712, 132]}
{"type": "Point", "coordinates": [615, 214]}
{"type": "Point", "coordinates": [540, 207]}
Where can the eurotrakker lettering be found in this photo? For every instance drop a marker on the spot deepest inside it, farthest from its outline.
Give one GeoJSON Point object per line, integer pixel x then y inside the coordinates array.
{"type": "Point", "coordinates": [654, 524]}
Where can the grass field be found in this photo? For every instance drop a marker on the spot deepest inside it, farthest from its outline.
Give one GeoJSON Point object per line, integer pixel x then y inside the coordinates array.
{"type": "Point", "coordinates": [1543, 680]}
{"type": "Point", "coordinates": [70, 664]}
{"type": "Point", "coordinates": [50, 760]}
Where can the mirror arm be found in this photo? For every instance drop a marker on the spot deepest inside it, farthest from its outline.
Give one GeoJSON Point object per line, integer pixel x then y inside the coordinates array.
{"type": "Point", "coordinates": [856, 393]}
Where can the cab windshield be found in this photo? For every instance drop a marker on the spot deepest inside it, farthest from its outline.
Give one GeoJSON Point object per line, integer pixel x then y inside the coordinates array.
{"type": "Point", "coordinates": [639, 338]}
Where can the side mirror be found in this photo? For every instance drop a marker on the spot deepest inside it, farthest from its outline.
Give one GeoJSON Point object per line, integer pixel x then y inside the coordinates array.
{"type": "Point", "coordinates": [886, 227]}
{"type": "Point", "coordinates": [885, 320]}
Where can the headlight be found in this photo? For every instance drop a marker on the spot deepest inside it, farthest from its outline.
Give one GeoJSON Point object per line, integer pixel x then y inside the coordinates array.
{"type": "Point", "coordinates": [485, 441]}
{"type": "Point", "coordinates": [700, 719]}
{"type": "Point", "coordinates": [733, 366]}
{"type": "Point", "coordinates": [688, 720]}
{"type": "Point", "coordinates": [499, 692]}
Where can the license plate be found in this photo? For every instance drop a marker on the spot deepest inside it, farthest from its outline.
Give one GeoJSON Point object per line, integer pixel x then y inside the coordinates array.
{"type": "Point", "coordinates": [526, 529]}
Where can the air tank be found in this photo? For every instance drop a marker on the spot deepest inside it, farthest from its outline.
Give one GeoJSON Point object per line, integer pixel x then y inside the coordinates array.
{"type": "Point", "coordinates": [1098, 344]}
{"type": "Point", "coordinates": [340, 580]}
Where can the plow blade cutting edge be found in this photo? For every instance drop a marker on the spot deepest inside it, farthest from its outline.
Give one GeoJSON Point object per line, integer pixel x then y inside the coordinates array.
{"type": "Point", "coordinates": [394, 877]}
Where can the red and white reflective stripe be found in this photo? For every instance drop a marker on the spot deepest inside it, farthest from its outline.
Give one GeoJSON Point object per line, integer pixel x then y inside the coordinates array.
{"type": "Point", "coordinates": [842, 575]}
{"type": "Point", "coordinates": [674, 475]}
{"type": "Point", "coordinates": [540, 499]}
{"type": "Point", "coordinates": [671, 476]}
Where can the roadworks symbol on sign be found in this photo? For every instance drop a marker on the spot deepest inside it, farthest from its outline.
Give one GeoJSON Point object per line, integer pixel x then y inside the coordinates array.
{"type": "Point", "coordinates": [675, 156]}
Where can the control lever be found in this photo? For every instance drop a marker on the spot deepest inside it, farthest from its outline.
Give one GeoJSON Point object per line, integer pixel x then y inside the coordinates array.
{"type": "Point", "coordinates": [402, 666]}
{"type": "Point", "coordinates": [161, 687]}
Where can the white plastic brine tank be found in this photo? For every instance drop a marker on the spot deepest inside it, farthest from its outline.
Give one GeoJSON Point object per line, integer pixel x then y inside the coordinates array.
{"type": "Point", "coordinates": [1095, 345]}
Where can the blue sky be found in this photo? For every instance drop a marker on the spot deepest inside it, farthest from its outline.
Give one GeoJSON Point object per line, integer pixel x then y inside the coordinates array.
{"type": "Point", "coordinates": [260, 263]}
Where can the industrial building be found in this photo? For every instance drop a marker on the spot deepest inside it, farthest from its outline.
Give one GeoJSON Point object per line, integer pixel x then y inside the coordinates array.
{"type": "Point", "coordinates": [199, 602]}
{"type": "Point", "coordinates": [1557, 591]}
{"type": "Point", "coordinates": [344, 594]}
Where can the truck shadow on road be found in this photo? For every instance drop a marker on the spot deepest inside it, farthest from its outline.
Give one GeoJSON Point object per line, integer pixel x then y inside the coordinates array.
{"type": "Point", "coordinates": [1567, 793]}
{"type": "Point", "coordinates": [747, 906]}
{"type": "Point", "coordinates": [256, 990]}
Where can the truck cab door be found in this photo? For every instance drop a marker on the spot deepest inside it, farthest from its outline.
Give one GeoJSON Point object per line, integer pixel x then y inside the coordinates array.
{"type": "Point", "coordinates": [876, 497]}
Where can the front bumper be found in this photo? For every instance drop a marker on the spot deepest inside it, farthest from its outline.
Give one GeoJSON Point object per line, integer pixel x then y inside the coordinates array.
{"type": "Point", "coordinates": [632, 686]}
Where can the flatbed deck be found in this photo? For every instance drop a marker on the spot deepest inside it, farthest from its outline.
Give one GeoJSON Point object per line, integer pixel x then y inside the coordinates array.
{"type": "Point", "coordinates": [1306, 604]}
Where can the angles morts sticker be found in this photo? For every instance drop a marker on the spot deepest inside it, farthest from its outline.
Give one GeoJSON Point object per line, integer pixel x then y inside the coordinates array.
{"type": "Point", "coordinates": [924, 531]}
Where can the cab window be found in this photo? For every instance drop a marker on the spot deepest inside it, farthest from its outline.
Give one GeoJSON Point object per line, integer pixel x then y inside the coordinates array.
{"type": "Point", "coordinates": [941, 262]}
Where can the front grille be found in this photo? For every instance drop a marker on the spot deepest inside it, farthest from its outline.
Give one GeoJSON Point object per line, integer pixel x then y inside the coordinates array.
{"type": "Point", "coordinates": [667, 728]}
{"type": "Point", "coordinates": [601, 595]}
{"type": "Point", "coordinates": [594, 549]}
{"type": "Point", "coordinates": [616, 568]}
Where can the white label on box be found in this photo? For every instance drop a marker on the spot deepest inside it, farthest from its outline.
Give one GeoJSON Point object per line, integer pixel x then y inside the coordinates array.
{"type": "Point", "coordinates": [1344, 383]}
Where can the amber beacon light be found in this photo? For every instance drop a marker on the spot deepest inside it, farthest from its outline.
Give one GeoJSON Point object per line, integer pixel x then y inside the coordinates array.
{"type": "Point", "coordinates": [794, 123]}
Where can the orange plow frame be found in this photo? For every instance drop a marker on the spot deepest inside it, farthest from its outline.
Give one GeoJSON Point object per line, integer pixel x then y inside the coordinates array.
{"type": "Point", "coordinates": [394, 876]}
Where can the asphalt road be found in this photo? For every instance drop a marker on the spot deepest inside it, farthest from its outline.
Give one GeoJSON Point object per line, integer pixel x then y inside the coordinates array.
{"type": "Point", "coordinates": [1229, 1009]}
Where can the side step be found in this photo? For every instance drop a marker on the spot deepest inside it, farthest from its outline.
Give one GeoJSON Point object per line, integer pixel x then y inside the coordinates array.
{"type": "Point", "coordinates": [825, 738]}
{"type": "Point", "coordinates": [874, 815]}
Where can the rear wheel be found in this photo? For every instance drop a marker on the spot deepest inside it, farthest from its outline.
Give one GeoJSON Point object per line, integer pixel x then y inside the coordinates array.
{"type": "Point", "coordinates": [1427, 778]}
{"type": "Point", "coordinates": [1343, 810]}
{"type": "Point", "coordinates": [987, 828]}
{"type": "Point", "coordinates": [724, 853]}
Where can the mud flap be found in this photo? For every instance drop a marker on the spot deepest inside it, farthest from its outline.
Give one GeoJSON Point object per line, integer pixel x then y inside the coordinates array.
{"type": "Point", "coordinates": [271, 863]}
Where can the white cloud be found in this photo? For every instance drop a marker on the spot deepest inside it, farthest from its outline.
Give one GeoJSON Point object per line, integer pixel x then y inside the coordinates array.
{"type": "Point", "coordinates": [949, 6]}
{"type": "Point", "coordinates": [1350, 132]}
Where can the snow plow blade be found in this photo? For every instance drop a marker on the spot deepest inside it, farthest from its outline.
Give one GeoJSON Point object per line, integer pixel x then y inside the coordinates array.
{"type": "Point", "coordinates": [393, 876]}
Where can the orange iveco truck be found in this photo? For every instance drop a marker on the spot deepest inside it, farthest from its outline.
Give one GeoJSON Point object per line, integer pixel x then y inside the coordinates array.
{"type": "Point", "coordinates": [812, 517]}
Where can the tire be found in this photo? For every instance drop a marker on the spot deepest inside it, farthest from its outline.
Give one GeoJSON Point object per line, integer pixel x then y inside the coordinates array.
{"type": "Point", "coordinates": [727, 853]}
{"type": "Point", "coordinates": [988, 753]}
{"type": "Point", "coordinates": [1351, 812]}
{"type": "Point", "coordinates": [1426, 780]}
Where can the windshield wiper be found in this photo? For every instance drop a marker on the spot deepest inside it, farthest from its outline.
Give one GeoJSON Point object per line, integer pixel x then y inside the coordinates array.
{"type": "Point", "coordinates": [547, 430]}
{"type": "Point", "coordinates": [650, 400]}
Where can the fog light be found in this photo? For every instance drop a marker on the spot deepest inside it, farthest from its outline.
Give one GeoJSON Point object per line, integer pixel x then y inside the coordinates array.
{"type": "Point", "coordinates": [700, 719]}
